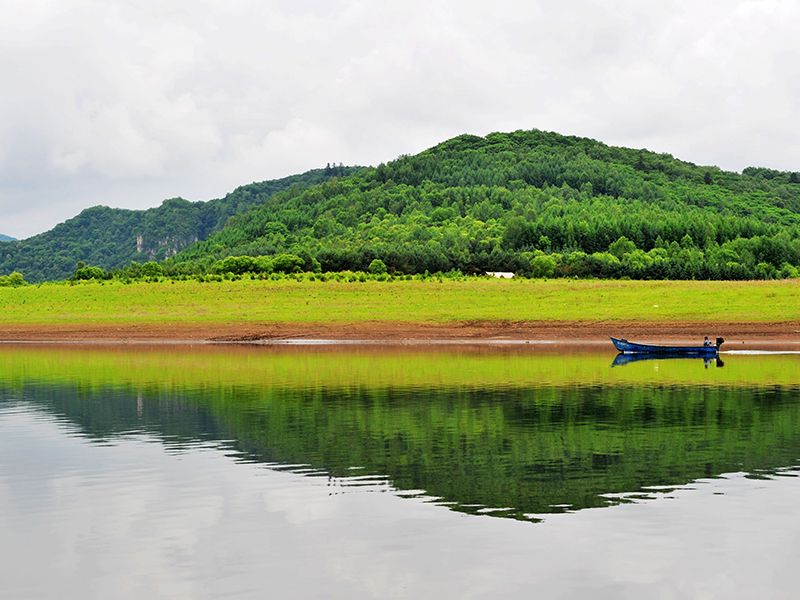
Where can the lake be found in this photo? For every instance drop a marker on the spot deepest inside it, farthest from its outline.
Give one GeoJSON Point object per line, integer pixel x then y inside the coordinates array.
{"type": "Point", "coordinates": [368, 471]}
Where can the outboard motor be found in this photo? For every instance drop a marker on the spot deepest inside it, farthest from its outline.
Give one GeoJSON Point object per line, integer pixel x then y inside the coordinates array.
{"type": "Point", "coordinates": [720, 341]}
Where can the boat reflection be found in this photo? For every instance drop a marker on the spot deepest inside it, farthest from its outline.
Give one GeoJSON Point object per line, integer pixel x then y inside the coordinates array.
{"type": "Point", "coordinates": [623, 359]}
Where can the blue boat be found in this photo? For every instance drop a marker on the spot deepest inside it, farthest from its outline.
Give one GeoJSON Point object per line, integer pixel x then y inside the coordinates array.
{"type": "Point", "coordinates": [626, 347]}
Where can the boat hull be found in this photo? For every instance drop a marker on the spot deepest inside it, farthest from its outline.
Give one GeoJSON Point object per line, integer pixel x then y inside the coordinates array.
{"type": "Point", "coordinates": [627, 347]}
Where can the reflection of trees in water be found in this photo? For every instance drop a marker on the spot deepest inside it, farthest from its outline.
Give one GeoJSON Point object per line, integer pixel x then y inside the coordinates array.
{"type": "Point", "coordinates": [526, 449]}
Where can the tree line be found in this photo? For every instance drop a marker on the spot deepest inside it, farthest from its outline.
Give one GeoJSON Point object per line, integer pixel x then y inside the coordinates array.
{"type": "Point", "coordinates": [502, 202]}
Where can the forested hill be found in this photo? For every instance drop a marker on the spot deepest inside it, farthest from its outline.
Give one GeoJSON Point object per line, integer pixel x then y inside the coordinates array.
{"type": "Point", "coordinates": [111, 238]}
{"type": "Point", "coordinates": [532, 202]}
{"type": "Point", "coordinates": [6, 238]}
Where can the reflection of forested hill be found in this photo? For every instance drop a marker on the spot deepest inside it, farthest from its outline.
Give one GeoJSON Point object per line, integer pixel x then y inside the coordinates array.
{"type": "Point", "coordinates": [532, 202]}
{"type": "Point", "coordinates": [525, 449]}
{"type": "Point", "coordinates": [112, 237]}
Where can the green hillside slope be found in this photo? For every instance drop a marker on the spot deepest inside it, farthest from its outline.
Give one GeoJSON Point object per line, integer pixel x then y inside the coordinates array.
{"type": "Point", "coordinates": [6, 238]}
{"type": "Point", "coordinates": [111, 237]}
{"type": "Point", "coordinates": [531, 202]}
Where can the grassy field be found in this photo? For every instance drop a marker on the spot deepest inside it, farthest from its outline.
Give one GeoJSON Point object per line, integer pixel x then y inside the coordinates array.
{"type": "Point", "coordinates": [290, 301]}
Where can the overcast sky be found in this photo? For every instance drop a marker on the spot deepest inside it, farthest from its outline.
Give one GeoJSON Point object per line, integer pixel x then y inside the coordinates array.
{"type": "Point", "coordinates": [128, 103]}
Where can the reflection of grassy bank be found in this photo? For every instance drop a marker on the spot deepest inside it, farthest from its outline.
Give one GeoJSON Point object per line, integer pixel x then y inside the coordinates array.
{"type": "Point", "coordinates": [500, 429]}
{"type": "Point", "coordinates": [186, 367]}
{"type": "Point", "coordinates": [290, 301]}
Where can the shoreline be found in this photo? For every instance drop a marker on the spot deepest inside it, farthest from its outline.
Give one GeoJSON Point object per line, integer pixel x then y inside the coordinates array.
{"type": "Point", "coordinates": [377, 332]}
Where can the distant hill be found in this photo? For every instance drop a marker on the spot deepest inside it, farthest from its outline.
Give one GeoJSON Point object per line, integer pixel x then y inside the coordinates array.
{"type": "Point", "coordinates": [5, 238]}
{"type": "Point", "coordinates": [111, 237]}
{"type": "Point", "coordinates": [533, 202]}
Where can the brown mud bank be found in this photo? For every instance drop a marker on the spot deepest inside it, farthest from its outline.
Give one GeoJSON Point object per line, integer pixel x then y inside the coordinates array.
{"type": "Point", "coordinates": [392, 332]}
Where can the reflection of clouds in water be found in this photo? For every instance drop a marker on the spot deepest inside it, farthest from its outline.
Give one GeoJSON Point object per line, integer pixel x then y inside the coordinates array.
{"type": "Point", "coordinates": [129, 520]}
{"type": "Point", "coordinates": [110, 522]}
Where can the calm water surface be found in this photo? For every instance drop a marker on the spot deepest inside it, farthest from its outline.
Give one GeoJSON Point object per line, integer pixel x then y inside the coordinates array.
{"type": "Point", "coordinates": [451, 472]}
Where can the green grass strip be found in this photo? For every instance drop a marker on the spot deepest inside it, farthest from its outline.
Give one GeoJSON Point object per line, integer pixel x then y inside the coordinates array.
{"type": "Point", "coordinates": [433, 300]}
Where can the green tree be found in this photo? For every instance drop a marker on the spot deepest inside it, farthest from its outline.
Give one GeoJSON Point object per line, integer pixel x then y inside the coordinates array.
{"type": "Point", "coordinates": [87, 273]}
{"type": "Point", "coordinates": [287, 263]}
{"type": "Point", "coordinates": [377, 267]}
{"type": "Point", "coordinates": [12, 280]}
{"type": "Point", "coordinates": [621, 247]}
{"type": "Point", "coordinates": [543, 265]}
{"type": "Point", "coordinates": [236, 265]}
{"type": "Point", "coordinates": [151, 269]}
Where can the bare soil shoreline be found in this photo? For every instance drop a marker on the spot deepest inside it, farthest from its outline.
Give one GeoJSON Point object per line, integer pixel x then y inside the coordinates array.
{"type": "Point", "coordinates": [393, 332]}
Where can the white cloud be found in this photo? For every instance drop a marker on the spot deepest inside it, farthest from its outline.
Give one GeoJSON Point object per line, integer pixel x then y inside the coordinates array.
{"type": "Point", "coordinates": [128, 103]}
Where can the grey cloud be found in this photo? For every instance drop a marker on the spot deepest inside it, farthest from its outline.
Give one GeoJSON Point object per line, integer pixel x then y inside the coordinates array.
{"type": "Point", "coordinates": [128, 103]}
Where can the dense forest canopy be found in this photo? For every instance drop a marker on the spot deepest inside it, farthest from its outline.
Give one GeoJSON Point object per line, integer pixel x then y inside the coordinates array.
{"type": "Point", "coordinates": [6, 238]}
{"type": "Point", "coordinates": [532, 202]}
{"type": "Point", "coordinates": [110, 238]}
